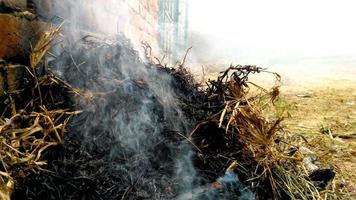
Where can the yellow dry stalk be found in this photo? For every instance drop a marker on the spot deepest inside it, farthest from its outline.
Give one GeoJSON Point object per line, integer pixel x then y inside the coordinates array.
{"type": "Point", "coordinates": [21, 146]}
{"type": "Point", "coordinates": [6, 186]}
{"type": "Point", "coordinates": [43, 45]}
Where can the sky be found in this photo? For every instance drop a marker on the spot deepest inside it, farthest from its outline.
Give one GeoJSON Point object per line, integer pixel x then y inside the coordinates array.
{"type": "Point", "coordinates": [318, 34]}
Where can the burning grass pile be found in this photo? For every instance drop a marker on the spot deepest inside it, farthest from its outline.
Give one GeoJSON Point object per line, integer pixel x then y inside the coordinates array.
{"type": "Point", "coordinates": [145, 131]}
{"type": "Point", "coordinates": [130, 137]}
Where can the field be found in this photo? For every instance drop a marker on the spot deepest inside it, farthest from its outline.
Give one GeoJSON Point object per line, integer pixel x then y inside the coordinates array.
{"type": "Point", "coordinates": [326, 116]}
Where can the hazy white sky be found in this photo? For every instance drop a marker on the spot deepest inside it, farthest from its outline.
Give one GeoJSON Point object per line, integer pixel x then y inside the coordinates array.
{"type": "Point", "coordinates": [276, 32]}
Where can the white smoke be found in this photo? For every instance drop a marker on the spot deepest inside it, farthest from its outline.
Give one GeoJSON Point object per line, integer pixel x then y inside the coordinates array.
{"type": "Point", "coordinates": [134, 119]}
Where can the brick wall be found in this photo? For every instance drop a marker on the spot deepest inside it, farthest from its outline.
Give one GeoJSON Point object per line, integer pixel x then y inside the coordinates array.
{"type": "Point", "coordinates": [137, 19]}
{"type": "Point", "coordinates": [142, 23]}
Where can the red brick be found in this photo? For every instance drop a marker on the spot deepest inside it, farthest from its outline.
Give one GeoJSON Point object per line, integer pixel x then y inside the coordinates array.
{"type": "Point", "coordinates": [17, 35]}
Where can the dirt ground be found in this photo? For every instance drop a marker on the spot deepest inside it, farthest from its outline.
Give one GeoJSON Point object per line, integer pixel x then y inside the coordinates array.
{"type": "Point", "coordinates": [322, 108]}
{"type": "Point", "coordinates": [326, 116]}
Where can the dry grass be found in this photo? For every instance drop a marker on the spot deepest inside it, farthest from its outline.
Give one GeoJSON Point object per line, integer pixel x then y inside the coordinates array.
{"type": "Point", "coordinates": [24, 137]}
{"type": "Point", "coordinates": [30, 130]}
